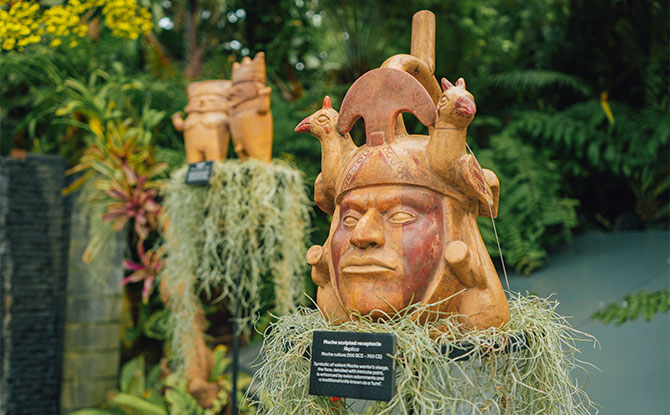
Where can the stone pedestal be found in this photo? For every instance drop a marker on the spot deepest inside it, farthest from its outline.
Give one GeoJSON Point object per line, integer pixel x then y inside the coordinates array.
{"type": "Point", "coordinates": [91, 349]}
{"type": "Point", "coordinates": [33, 264]}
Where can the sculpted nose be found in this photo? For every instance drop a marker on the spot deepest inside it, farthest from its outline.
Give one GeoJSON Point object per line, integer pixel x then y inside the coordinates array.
{"type": "Point", "coordinates": [369, 231]}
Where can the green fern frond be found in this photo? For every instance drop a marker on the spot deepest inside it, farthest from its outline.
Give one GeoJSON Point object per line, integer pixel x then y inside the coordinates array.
{"type": "Point", "coordinates": [642, 303]}
{"type": "Point", "coordinates": [634, 148]}
{"type": "Point", "coordinates": [533, 79]}
{"type": "Point", "coordinates": [532, 215]}
{"type": "Point", "coordinates": [572, 129]}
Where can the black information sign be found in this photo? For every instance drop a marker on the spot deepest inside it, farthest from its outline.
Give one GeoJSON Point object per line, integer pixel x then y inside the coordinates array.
{"type": "Point", "coordinates": [352, 365]}
{"type": "Point", "coordinates": [199, 173]}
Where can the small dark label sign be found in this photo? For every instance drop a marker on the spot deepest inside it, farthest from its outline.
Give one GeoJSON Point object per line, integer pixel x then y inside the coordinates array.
{"type": "Point", "coordinates": [352, 365]}
{"type": "Point", "coordinates": [199, 173]}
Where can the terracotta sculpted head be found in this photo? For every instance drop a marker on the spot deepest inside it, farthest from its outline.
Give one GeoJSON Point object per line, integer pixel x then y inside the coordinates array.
{"type": "Point", "coordinates": [404, 223]}
{"type": "Point", "coordinates": [386, 246]}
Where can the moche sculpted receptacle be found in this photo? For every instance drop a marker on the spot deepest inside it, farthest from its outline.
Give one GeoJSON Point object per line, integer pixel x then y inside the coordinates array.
{"type": "Point", "coordinates": [405, 207]}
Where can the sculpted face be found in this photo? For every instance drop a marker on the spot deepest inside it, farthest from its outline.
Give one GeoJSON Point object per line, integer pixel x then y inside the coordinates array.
{"type": "Point", "coordinates": [207, 102]}
{"type": "Point", "coordinates": [243, 91]}
{"type": "Point", "coordinates": [387, 246]}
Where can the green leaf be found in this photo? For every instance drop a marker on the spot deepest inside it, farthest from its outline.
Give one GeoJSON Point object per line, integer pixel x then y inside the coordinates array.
{"type": "Point", "coordinates": [646, 303]}
{"type": "Point", "coordinates": [156, 326]}
{"type": "Point", "coordinates": [131, 379]}
{"type": "Point", "coordinates": [155, 378]}
{"type": "Point", "coordinates": [155, 397]}
{"type": "Point", "coordinates": [138, 404]}
{"type": "Point", "coordinates": [95, 411]}
{"type": "Point", "coordinates": [182, 402]}
{"type": "Point", "coordinates": [155, 170]}
{"type": "Point", "coordinates": [536, 79]}
{"type": "Point", "coordinates": [77, 183]}
{"type": "Point", "coordinates": [221, 362]}
{"type": "Point", "coordinates": [68, 108]}
{"type": "Point", "coordinates": [103, 169]}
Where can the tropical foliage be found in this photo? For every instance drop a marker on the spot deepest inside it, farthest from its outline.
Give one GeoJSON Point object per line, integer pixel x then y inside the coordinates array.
{"type": "Point", "coordinates": [572, 102]}
{"type": "Point", "coordinates": [153, 392]}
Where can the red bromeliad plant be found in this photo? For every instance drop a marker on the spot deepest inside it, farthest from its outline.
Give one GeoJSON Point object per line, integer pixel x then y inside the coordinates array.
{"type": "Point", "coordinates": [119, 160]}
{"type": "Point", "coordinates": [151, 263]}
{"type": "Point", "coordinates": [112, 115]}
{"type": "Point", "coordinates": [116, 149]}
{"type": "Point", "coordinates": [134, 202]}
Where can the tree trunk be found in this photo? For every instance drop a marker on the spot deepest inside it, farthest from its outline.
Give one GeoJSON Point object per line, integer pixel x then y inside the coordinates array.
{"type": "Point", "coordinates": [194, 52]}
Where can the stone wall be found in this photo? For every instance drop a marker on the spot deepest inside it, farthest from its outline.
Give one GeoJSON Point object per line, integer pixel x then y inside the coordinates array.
{"type": "Point", "coordinates": [60, 323]}
{"type": "Point", "coordinates": [93, 317]}
{"type": "Point", "coordinates": [33, 262]}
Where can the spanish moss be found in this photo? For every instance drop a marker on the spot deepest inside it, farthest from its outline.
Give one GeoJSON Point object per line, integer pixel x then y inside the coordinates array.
{"type": "Point", "coordinates": [536, 380]}
{"type": "Point", "coordinates": [242, 239]}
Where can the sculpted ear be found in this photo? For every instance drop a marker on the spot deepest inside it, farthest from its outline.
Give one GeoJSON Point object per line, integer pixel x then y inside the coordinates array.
{"type": "Point", "coordinates": [460, 82]}
{"type": "Point", "coordinates": [326, 103]}
{"type": "Point", "coordinates": [446, 84]}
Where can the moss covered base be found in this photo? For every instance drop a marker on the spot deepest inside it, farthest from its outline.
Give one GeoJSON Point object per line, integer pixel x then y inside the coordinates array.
{"type": "Point", "coordinates": [535, 380]}
{"type": "Point", "coordinates": [243, 237]}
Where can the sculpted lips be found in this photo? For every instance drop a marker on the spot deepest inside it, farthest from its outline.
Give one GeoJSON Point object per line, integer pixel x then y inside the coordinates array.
{"type": "Point", "coordinates": [363, 265]}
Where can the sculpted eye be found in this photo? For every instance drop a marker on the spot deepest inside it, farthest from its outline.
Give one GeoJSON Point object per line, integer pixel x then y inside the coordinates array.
{"type": "Point", "coordinates": [322, 119]}
{"type": "Point", "coordinates": [402, 217]}
{"type": "Point", "coordinates": [350, 220]}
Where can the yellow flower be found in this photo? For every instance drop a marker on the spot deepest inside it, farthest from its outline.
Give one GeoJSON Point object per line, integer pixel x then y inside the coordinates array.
{"type": "Point", "coordinates": [8, 44]}
{"type": "Point", "coordinates": [25, 22]}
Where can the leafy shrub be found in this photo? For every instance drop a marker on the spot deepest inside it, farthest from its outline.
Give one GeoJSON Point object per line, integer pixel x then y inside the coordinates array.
{"type": "Point", "coordinates": [532, 215]}
{"type": "Point", "coordinates": [156, 393]}
{"type": "Point", "coordinates": [642, 303]}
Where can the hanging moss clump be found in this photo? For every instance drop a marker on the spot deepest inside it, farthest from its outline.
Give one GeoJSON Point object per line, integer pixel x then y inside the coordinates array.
{"type": "Point", "coordinates": [536, 380]}
{"type": "Point", "coordinates": [243, 237]}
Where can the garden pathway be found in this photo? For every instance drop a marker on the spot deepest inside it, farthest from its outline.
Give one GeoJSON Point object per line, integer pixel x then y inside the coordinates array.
{"type": "Point", "coordinates": [633, 358]}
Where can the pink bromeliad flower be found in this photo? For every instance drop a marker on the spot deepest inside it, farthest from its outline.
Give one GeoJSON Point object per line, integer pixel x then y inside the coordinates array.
{"type": "Point", "coordinates": [135, 203]}
{"type": "Point", "coordinates": [151, 262]}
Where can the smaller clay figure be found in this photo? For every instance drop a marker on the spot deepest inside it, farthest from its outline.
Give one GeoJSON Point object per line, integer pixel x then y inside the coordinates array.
{"type": "Point", "coordinates": [251, 118]}
{"type": "Point", "coordinates": [206, 134]}
{"type": "Point", "coordinates": [447, 150]}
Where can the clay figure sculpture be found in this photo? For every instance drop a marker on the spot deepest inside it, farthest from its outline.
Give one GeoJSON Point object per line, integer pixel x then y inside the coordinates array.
{"type": "Point", "coordinates": [334, 148]}
{"type": "Point", "coordinates": [206, 134]}
{"type": "Point", "coordinates": [251, 118]}
{"type": "Point", "coordinates": [405, 207]}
